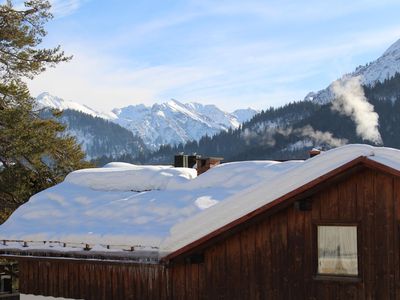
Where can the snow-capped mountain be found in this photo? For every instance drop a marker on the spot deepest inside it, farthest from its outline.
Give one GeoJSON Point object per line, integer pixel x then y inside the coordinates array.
{"type": "Point", "coordinates": [168, 123]}
{"type": "Point", "coordinates": [244, 114]}
{"type": "Point", "coordinates": [385, 67]}
{"type": "Point", "coordinates": [174, 122]}
{"type": "Point", "coordinates": [46, 100]}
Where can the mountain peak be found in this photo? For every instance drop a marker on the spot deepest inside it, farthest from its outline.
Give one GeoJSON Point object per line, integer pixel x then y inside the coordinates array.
{"type": "Point", "coordinates": [393, 49]}
{"type": "Point", "coordinates": [245, 114]}
{"type": "Point", "coordinates": [47, 100]}
{"type": "Point", "coordinates": [173, 103]}
{"type": "Point", "coordinates": [174, 122]}
{"type": "Point", "coordinates": [385, 67]}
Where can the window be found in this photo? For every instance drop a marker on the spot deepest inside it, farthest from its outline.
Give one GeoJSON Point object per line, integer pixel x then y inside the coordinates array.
{"type": "Point", "coordinates": [337, 250]}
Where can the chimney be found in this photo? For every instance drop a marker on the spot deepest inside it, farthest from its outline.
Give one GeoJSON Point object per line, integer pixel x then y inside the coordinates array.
{"type": "Point", "coordinates": [314, 152]}
{"type": "Point", "coordinates": [202, 164]}
{"type": "Point", "coordinates": [181, 161]}
{"type": "Point", "coordinates": [185, 161]}
{"type": "Point", "coordinates": [206, 163]}
{"type": "Point", "coordinates": [192, 160]}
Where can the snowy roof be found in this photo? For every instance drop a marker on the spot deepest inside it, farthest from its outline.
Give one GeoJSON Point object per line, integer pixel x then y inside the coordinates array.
{"type": "Point", "coordinates": [166, 208]}
{"type": "Point", "coordinates": [126, 205]}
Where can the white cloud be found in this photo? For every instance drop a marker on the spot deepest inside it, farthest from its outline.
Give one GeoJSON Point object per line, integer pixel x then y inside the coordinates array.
{"type": "Point", "coordinates": [231, 71]}
{"type": "Point", "coordinates": [103, 82]}
{"type": "Point", "coordinates": [288, 10]}
{"type": "Point", "coordinates": [61, 8]}
{"type": "Point", "coordinates": [259, 74]}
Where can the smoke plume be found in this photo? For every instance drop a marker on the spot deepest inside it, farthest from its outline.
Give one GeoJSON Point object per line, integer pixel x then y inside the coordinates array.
{"type": "Point", "coordinates": [351, 101]}
{"type": "Point", "coordinates": [265, 134]}
{"type": "Point", "coordinates": [320, 137]}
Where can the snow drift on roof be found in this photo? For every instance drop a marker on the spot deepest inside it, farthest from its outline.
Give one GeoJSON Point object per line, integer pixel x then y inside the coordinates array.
{"type": "Point", "coordinates": [99, 207]}
{"type": "Point", "coordinates": [128, 177]}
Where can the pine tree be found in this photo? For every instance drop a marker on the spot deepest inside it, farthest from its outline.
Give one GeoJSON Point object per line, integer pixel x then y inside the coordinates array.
{"type": "Point", "coordinates": [34, 153]}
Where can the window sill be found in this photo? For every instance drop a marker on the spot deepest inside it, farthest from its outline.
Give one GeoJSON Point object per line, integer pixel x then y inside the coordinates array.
{"type": "Point", "coordinates": [350, 279]}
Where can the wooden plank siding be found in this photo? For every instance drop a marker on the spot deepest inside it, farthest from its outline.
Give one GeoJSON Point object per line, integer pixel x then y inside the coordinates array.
{"type": "Point", "coordinates": [273, 258]}
{"type": "Point", "coordinates": [276, 257]}
{"type": "Point", "coordinates": [92, 280]}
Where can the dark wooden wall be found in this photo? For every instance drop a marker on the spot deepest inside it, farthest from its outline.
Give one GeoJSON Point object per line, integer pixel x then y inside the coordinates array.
{"type": "Point", "coordinates": [276, 259]}
{"type": "Point", "coordinates": [92, 280]}
{"type": "Point", "coordinates": [272, 259]}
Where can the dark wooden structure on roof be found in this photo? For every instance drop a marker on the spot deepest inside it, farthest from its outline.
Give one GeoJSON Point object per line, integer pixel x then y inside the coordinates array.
{"type": "Point", "coordinates": [336, 237]}
{"type": "Point", "coordinates": [203, 164]}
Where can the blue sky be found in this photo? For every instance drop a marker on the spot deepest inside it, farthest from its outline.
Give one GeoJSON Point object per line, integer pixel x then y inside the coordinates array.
{"type": "Point", "coordinates": [229, 53]}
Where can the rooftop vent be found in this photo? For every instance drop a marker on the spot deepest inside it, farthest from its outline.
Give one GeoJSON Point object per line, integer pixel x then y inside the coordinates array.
{"type": "Point", "coordinates": [185, 161]}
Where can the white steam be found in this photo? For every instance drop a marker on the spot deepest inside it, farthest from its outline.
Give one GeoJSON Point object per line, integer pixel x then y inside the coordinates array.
{"type": "Point", "coordinates": [321, 137]}
{"type": "Point", "coordinates": [265, 134]}
{"type": "Point", "coordinates": [351, 101]}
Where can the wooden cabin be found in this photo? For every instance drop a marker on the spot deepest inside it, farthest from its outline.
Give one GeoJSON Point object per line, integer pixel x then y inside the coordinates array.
{"type": "Point", "coordinates": [333, 237]}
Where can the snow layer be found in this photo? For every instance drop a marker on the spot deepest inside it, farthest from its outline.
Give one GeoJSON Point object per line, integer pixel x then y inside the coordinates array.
{"type": "Point", "coordinates": [34, 297]}
{"type": "Point", "coordinates": [128, 177]}
{"type": "Point", "coordinates": [98, 206]}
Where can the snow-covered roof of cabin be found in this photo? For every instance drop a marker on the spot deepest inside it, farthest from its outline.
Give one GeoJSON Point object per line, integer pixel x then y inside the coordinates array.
{"type": "Point", "coordinates": [164, 207]}
{"type": "Point", "coordinates": [127, 205]}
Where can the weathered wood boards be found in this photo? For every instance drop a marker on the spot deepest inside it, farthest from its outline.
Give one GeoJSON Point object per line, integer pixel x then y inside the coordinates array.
{"type": "Point", "coordinates": [273, 258]}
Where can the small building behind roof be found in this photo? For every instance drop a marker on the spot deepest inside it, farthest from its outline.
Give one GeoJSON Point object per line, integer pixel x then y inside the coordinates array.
{"type": "Point", "coordinates": [203, 164]}
{"type": "Point", "coordinates": [200, 163]}
{"type": "Point", "coordinates": [327, 227]}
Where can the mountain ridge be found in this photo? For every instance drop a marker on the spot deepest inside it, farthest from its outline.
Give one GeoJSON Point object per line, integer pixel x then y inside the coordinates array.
{"type": "Point", "coordinates": [171, 122]}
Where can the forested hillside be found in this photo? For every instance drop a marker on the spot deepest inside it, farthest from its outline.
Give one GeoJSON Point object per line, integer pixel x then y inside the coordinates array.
{"type": "Point", "coordinates": [99, 137]}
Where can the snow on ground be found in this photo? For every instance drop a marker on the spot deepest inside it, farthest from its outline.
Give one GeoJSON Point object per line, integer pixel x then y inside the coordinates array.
{"type": "Point", "coordinates": [159, 206]}
{"type": "Point", "coordinates": [34, 297]}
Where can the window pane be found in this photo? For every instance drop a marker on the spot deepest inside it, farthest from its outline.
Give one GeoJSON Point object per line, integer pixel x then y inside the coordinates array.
{"type": "Point", "coordinates": [337, 250]}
